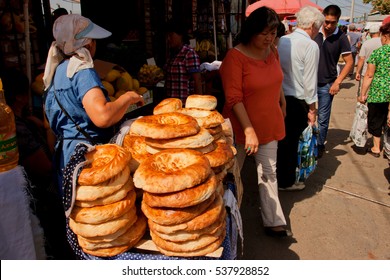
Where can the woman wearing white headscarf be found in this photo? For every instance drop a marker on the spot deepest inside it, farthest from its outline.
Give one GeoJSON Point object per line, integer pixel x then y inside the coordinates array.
{"type": "Point", "coordinates": [76, 104]}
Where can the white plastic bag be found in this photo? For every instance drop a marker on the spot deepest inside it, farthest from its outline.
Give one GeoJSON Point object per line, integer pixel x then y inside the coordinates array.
{"type": "Point", "coordinates": [358, 132]}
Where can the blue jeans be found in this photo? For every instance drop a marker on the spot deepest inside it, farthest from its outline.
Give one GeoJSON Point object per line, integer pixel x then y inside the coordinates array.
{"type": "Point", "coordinates": [324, 107]}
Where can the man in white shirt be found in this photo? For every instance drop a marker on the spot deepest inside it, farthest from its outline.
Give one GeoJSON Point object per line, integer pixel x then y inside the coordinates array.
{"type": "Point", "coordinates": [367, 48]}
{"type": "Point", "coordinates": [299, 57]}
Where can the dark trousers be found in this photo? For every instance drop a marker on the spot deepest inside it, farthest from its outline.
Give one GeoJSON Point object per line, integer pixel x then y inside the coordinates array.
{"type": "Point", "coordinates": [295, 122]}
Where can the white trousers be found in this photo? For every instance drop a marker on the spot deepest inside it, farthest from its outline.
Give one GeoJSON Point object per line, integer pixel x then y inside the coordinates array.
{"type": "Point", "coordinates": [271, 210]}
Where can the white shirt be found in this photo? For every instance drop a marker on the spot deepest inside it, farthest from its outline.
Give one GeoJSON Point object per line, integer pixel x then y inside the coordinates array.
{"type": "Point", "coordinates": [367, 48]}
{"type": "Point", "coordinates": [299, 57]}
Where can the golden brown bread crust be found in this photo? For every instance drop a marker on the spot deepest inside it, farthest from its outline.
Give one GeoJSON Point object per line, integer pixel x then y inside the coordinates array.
{"type": "Point", "coordinates": [185, 235]}
{"type": "Point", "coordinates": [108, 252]}
{"type": "Point", "coordinates": [114, 197]}
{"type": "Point", "coordinates": [90, 193]}
{"type": "Point", "coordinates": [221, 175]}
{"type": "Point", "coordinates": [101, 214]}
{"type": "Point", "coordinates": [204, 150]}
{"type": "Point", "coordinates": [201, 139]}
{"type": "Point", "coordinates": [190, 245]}
{"type": "Point", "coordinates": [221, 155]}
{"type": "Point", "coordinates": [172, 170]}
{"type": "Point", "coordinates": [105, 162]}
{"type": "Point", "coordinates": [205, 102]}
{"type": "Point", "coordinates": [195, 253]}
{"type": "Point", "coordinates": [165, 126]}
{"type": "Point", "coordinates": [130, 238]}
{"type": "Point", "coordinates": [184, 198]}
{"type": "Point", "coordinates": [173, 216]}
{"type": "Point", "coordinates": [168, 105]}
{"type": "Point", "coordinates": [204, 219]}
{"type": "Point", "coordinates": [205, 118]}
{"type": "Point", "coordinates": [106, 228]}
{"type": "Point", "coordinates": [137, 148]}
{"type": "Point", "coordinates": [215, 130]}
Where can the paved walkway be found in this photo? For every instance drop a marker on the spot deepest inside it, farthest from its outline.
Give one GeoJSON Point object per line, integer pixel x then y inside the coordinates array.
{"type": "Point", "coordinates": [344, 211]}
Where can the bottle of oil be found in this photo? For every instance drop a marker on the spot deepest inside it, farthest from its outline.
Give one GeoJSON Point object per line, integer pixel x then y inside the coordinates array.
{"type": "Point", "coordinates": [9, 154]}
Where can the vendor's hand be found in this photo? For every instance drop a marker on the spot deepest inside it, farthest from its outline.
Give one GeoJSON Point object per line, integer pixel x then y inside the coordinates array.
{"type": "Point", "coordinates": [136, 98]}
{"type": "Point", "coordinates": [251, 142]}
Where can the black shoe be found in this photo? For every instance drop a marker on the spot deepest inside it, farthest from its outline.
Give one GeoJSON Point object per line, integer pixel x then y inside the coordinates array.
{"type": "Point", "coordinates": [277, 233]}
{"type": "Point", "coordinates": [320, 151]}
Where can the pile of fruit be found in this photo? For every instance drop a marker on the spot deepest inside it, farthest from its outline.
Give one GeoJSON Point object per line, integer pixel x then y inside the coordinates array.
{"type": "Point", "coordinates": [150, 74]}
{"type": "Point", "coordinates": [117, 82]}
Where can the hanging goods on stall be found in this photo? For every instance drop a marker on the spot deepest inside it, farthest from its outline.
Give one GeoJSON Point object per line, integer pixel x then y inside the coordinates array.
{"type": "Point", "coordinates": [9, 154]}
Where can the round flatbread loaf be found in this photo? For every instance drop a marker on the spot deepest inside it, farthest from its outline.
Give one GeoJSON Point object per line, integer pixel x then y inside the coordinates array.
{"type": "Point", "coordinates": [91, 193]}
{"type": "Point", "coordinates": [106, 228]}
{"type": "Point", "coordinates": [100, 214]}
{"type": "Point", "coordinates": [107, 252]}
{"type": "Point", "coordinates": [168, 105]}
{"type": "Point", "coordinates": [172, 170]}
{"type": "Point", "coordinates": [105, 162]}
{"type": "Point", "coordinates": [195, 253]}
{"type": "Point", "coordinates": [112, 198]}
{"type": "Point", "coordinates": [201, 139]}
{"type": "Point", "coordinates": [173, 216]}
{"type": "Point", "coordinates": [205, 118]}
{"type": "Point", "coordinates": [215, 130]}
{"type": "Point", "coordinates": [165, 126]}
{"type": "Point", "coordinates": [204, 219]}
{"type": "Point", "coordinates": [108, 237]}
{"type": "Point", "coordinates": [205, 102]}
{"type": "Point", "coordinates": [184, 235]}
{"type": "Point", "coordinates": [221, 175]}
{"type": "Point", "coordinates": [185, 198]}
{"type": "Point", "coordinates": [137, 148]}
{"type": "Point", "coordinates": [130, 238]}
{"type": "Point", "coordinates": [204, 150]}
{"type": "Point", "coordinates": [190, 245]}
{"type": "Point", "coordinates": [221, 155]}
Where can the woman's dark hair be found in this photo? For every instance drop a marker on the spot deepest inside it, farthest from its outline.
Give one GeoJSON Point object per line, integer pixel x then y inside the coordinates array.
{"type": "Point", "coordinates": [257, 21]}
{"type": "Point", "coordinates": [332, 10]}
{"type": "Point", "coordinates": [385, 29]}
{"type": "Point", "coordinates": [281, 30]}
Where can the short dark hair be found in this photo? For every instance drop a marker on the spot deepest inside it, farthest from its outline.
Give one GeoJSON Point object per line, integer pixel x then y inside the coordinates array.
{"type": "Point", "coordinates": [179, 27]}
{"type": "Point", "coordinates": [332, 10]}
{"type": "Point", "coordinates": [257, 21]}
{"type": "Point", "coordinates": [385, 29]}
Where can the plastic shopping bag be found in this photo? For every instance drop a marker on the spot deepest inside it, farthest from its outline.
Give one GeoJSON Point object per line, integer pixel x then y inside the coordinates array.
{"type": "Point", "coordinates": [307, 153]}
{"type": "Point", "coordinates": [358, 132]}
{"type": "Point", "coordinates": [386, 143]}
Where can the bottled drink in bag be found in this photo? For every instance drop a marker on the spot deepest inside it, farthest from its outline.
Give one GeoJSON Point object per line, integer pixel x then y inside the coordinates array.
{"type": "Point", "coordinates": [9, 154]}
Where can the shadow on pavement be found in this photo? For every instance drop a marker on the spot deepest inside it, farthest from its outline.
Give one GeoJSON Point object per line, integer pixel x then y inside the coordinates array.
{"type": "Point", "coordinates": [259, 246]}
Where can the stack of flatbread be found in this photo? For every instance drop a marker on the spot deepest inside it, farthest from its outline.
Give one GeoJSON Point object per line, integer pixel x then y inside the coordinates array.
{"type": "Point", "coordinates": [182, 202]}
{"type": "Point", "coordinates": [214, 138]}
{"type": "Point", "coordinates": [105, 218]}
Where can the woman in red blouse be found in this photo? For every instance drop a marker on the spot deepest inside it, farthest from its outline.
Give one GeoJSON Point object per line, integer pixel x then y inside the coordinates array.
{"type": "Point", "coordinates": [255, 104]}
